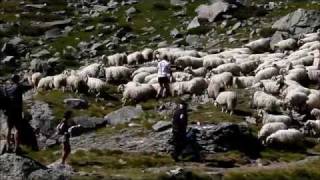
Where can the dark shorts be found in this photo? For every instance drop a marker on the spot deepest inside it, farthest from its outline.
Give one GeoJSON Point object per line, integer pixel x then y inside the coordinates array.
{"type": "Point", "coordinates": [14, 119]}
{"type": "Point", "coordinates": [163, 80]}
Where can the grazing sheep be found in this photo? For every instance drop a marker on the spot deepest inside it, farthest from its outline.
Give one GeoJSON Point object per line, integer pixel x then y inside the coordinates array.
{"type": "Point", "coordinates": [181, 76]}
{"type": "Point", "coordinates": [271, 118]}
{"type": "Point", "coordinates": [270, 128]}
{"type": "Point", "coordinates": [195, 86]}
{"type": "Point", "coordinates": [316, 113]}
{"type": "Point", "coordinates": [147, 54]}
{"type": "Point", "coordinates": [137, 92]}
{"type": "Point", "coordinates": [229, 67]}
{"type": "Point", "coordinates": [313, 100]}
{"type": "Point", "coordinates": [262, 100]}
{"type": "Point", "coordinates": [45, 83]}
{"type": "Point", "coordinates": [117, 74]}
{"type": "Point", "coordinates": [227, 100]}
{"type": "Point", "coordinates": [309, 38]}
{"type": "Point", "coordinates": [313, 75]}
{"type": "Point", "coordinates": [271, 86]}
{"type": "Point", "coordinates": [259, 45]}
{"type": "Point", "coordinates": [199, 72]}
{"type": "Point", "coordinates": [212, 61]}
{"type": "Point", "coordinates": [117, 59]}
{"type": "Point", "coordinates": [287, 44]}
{"type": "Point", "coordinates": [76, 83]}
{"type": "Point", "coordinates": [289, 137]}
{"type": "Point", "coordinates": [60, 81]}
{"type": "Point", "coordinates": [96, 85]}
{"type": "Point", "coordinates": [184, 61]}
{"type": "Point", "coordinates": [306, 61]}
{"type": "Point", "coordinates": [140, 77]}
{"type": "Point", "coordinates": [92, 70]}
{"type": "Point", "coordinates": [311, 46]}
{"type": "Point", "coordinates": [135, 58]}
{"type": "Point", "coordinates": [249, 66]}
{"type": "Point", "coordinates": [224, 78]}
{"type": "Point", "coordinates": [150, 70]}
{"type": "Point", "coordinates": [34, 79]}
{"type": "Point", "coordinates": [313, 127]}
{"type": "Point", "coordinates": [267, 73]}
{"type": "Point", "coordinates": [148, 78]}
{"type": "Point", "coordinates": [214, 89]}
{"type": "Point", "coordinates": [296, 99]}
{"type": "Point", "coordinates": [243, 81]}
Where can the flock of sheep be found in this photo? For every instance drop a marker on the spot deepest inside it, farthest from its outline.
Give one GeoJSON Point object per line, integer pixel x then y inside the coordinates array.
{"type": "Point", "coordinates": [278, 81]}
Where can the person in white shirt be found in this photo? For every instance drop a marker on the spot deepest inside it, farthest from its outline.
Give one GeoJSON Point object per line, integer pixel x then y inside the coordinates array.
{"type": "Point", "coordinates": [164, 76]}
{"type": "Point", "coordinates": [316, 61]}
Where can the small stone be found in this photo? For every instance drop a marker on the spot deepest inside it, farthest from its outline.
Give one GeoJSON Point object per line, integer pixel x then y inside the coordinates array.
{"type": "Point", "coordinates": [161, 126]}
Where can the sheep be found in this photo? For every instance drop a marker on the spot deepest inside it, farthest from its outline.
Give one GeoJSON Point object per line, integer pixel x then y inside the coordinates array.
{"type": "Point", "coordinates": [60, 81]}
{"type": "Point", "coordinates": [271, 118]}
{"type": "Point", "coordinates": [34, 79]}
{"type": "Point", "coordinates": [153, 81]}
{"type": "Point", "coordinates": [227, 100]}
{"type": "Point", "coordinates": [195, 86]}
{"type": "Point", "coordinates": [289, 137]}
{"type": "Point", "coordinates": [313, 100]}
{"type": "Point", "coordinates": [306, 61]}
{"type": "Point", "coordinates": [199, 72]}
{"type": "Point", "coordinates": [137, 92]}
{"type": "Point", "coordinates": [267, 73]}
{"type": "Point", "coordinates": [181, 76]}
{"type": "Point", "coordinates": [296, 99]}
{"type": "Point", "coordinates": [224, 78]}
{"type": "Point", "coordinates": [270, 128]}
{"type": "Point", "coordinates": [313, 127]}
{"type": "Point", "coordinates": [150, 77]}
{"type": "Point", "coordinates": [309, 38]}
{"type": "Point", "coordinates": [248, 66]}
{"type": "Point", "coordinates": [311, 46]}
{"type": "Point", "coordinates": [243, 81]}
{"type": "Point", "coordinates": [212, 61]}
{"type": "Point", "coordinates": [150, 70]}
{"type": "Point", "coordinates": [96, 85]}
{"type": "Point", "coordinates": [271, 87]}
{"type": "Point", "coordinates": [185, 61]}
{"type": "Point", "coordinates": [147, 54]}
{"type": "Point", "coordinates": [214, 89]}
{"type": "Point", "coordinates": [316, 113]}
{"type": "Point", "coordinates": [259, 45]}
{"type": "Point", "coordinates": [262, 100]}
{"type": "Point", "coordinates": [229, 67]}
{"type": "Point", "coordinates": [45, 83]}
{"type": "Point", "coordinates": [117, 74]}
{"type": "Point", "coordinates": [117, 59]}
{"type": "Point", "coordinates": [135, 58]}
{"type": "Point", "coordinates": [92, 70]}
{"type": "Point", "coordinates": [76, 83]}
{"type": "Point", "coordinates": [287, 44]}
{"type": "Point", "coordinates": [140, 77]}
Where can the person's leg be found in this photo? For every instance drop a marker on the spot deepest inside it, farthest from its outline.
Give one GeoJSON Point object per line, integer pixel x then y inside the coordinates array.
{"type": "Point", "coordinates": [166, 91]}
{"type": "Point", "coordinates": [10, 126]}
{"type": "Point", "coordinates": [161, 88]}
{"type": "Point", "coordinates": [66, 152]}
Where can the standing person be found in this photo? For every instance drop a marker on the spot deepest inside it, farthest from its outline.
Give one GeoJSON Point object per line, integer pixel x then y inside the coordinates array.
{"type": "Point", "coordinates": [164, 76]}
{"type": "Point", "coordinates": [316, 62]}
{"type": "Point", "coordinates": [14, 92]}
{"type": "Point", "coordinates": [179, 130]}
{"type": "Point", "coordinates": [64, 128]}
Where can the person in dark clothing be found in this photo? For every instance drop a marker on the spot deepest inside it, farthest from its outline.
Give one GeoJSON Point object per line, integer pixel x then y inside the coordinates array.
{"type": "Point", "coordinates": [64, 128]}
{"type": "Point", "coordinates": [14, 92]}
{"type": "Point", "coordinates": [179, 130]}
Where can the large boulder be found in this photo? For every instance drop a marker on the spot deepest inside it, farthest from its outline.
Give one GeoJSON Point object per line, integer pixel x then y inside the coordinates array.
{"type": "Point", "coordinates": [76, 103]}
{"type": "Point", "coordinates": [299, 21]}
{"type": "Point", "coordinates": [18, 167]}
{"type": "Point", "coordinates": [213, 11]}
{"type": "Point", "coordinates": [124, 115]}
{"type": "Point", "coordinates": [42, 118]}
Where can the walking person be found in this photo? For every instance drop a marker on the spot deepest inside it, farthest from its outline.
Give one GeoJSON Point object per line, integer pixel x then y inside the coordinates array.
{"type": "Point", "coordinates": [179, 130]}
{"type": "Point", "coordinates": [64, 128]}
{"type": "Point", "coordinates": [164, 76]}
{"type": "Point", "coordinates": [13, 93]}
{"type": "Point", "coordinates": [316, 62]}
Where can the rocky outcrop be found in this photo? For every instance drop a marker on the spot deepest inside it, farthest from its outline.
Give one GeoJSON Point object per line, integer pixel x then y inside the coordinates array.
{"type": "Point", "coordinates": [299, 21]}
{"type": "Point", "coordinates": [18, 167]}
{"type": "Point", "coordinates": [42, 118]}
{"type": "Point", "coordinates": [124, 115]}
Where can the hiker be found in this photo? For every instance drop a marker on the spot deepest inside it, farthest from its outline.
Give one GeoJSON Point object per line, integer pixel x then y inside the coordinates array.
{"type": "Point", "coordinates": [64, 128]}
{"type": "Point", "coordinates": [179, 130]}
{"type": "Point", "coordinates": [13, 93]}
{"type": "Point", "coordinates": [164, 76]}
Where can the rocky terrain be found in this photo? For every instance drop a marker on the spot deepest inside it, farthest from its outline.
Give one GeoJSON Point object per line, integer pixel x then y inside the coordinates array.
{"type": "Point", "coordinates": [131, 141]}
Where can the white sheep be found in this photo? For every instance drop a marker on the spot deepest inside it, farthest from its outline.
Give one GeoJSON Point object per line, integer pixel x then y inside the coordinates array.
{"type": "Point", "coordinates": [76, 83]}
{"type": "Point", "coordinates": [270, 128]}
{"type": "Point", "coordinates": [212, 61]}
{"type": "Point", "coordinates": [316, 113]}
{"type": "Point", "coordinates": [45, 83]}
{"type": "Point", "coordinates": [199, 72]}
{"type": "Point", "coordinates": [314, 75]}
{"type": "Point", "coordinates": [140, 77]}
{"type": "Point", "coordinates": [185, 61]}
{"type": "Point", "coordinates": [92, 70]}
{"type": "Point", "coordinates": [243, 81]}
{"type": "Point", "coordinates": [309, 38]}
{"type": "Point", "coordinates": [34, 79]}
{"type": "Point", "coordinates": [311, 45]}
{"type": "Point", "coordinates": [296, 99]}
{"type": "Point", "coordinates": [262, 100]}
{"type": "Point", "coordinates": [147, 54]}
{"type": "Point", "coordinates": [137, 92]}
{"type": "Point", "coordinates": [313, 100]}
{"type": "Point", "coordinates": [224, 78]}
{"type": "Point", "coordinates": [271, 118]}
{"type": "Point", "coordinates": [214, 89]}
{"type": "Point", "coordinates": [270, 86]}
{"type": "Point", "coordinates": [312, 126]}
{"type": "Point", "coordinates": [117, 59]}
{"type": "Point", "coordinates": [259, 45]}
{"type": "Point", "coordinates": [267, 73]}
{"type": "Point", "coordinates": [96, 85]}
{"type": "Point", "coordinates": [150, 70]}
{"type": "Point", "coordinates": [287, 44]}
{"type": "Point", "coordinates": [195, 86]}
{"type": "Point", "coordinates": [229, 67]}
{"type": "Point", "coordinates": [135, 58]}
{"type": "Point", "coordinates": [60, 81]}
{"type": "Point", "coordinates": [181, 76]}
{"type": "Point", "coordinates": [227, 100]}
{"type": "Point", "coordinates": [117, 74]}
{"type": "Point", "coordinates": [249, 66]}
{"type": "Point", "coordinates": [290, 137]}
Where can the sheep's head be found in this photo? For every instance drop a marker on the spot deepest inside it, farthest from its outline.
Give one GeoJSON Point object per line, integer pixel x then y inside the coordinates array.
{"type": "Point", "coordinates": [121, 88]}
{"type": "Point", "coordinates": [269, 141]}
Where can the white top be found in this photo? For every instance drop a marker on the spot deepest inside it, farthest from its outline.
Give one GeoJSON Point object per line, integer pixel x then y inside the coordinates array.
{"type": "Point", "coordinates": [164, 68]}
{"type": "Point", "coordinates": [316, 61]}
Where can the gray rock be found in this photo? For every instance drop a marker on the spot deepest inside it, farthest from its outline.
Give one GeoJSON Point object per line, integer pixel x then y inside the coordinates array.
{"type": "Point", "coordinates": [299, 21]}
{"type": "Point", "coordinates": [17, 167]}
{"type": "Point", "coordinates": [193, 24]}
{"type": "Point", "coordinates": [49, 25]}
{"type": "Point", "coordinates": [76, 103]}
{"type": "Point", "coordinates": [162, 44]}
{"type": "Point", "coordinates": [100, 8]}
{"type": "Point", "coordinates": [8, 60]}
{"type": "Point", "coordinates": [89, 28]}
{"type": "Point", "coordinates": [42, 118]}
{"type": "Point", "coordinates": [195, 41]}
{"type": "Point", "coordinates": [178, 2]}
{"type": "Point", "coordinates": [277, 37]}
{"type": "Point", "coordinates": [53, 33]}
{"type": "Point", "coordinates": [131, 11]}
{"type": "Point", "coordinates": [175, 33]}
{"type": "Point", "coordinates": [36, 6]}
{"type": "Point", "coordinates": [42, 53]}
{"type": "Point", "coordinates": [161, 126]}
{"type": "Point", "coordinates": [123, 115]}
{"type": "Point", "coordinates": [236, 26]}
{"type": "Point", "coordinates": [211, 12]}
{"type": "Point", "coordinates": [89, 123]}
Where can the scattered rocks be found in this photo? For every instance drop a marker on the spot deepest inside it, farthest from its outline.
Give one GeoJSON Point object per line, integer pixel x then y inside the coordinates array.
{"type": "Point", "coordinates": [211, 12]}
{"type": "Point", "coordinates": [161, 126]}
{"type": "Point", "coordinates": [193, 24]}
{"type": "Point", "coordinates": [124, 115]}
{"type": "Point", "coordinates": [75, 103]}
